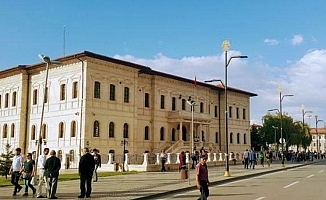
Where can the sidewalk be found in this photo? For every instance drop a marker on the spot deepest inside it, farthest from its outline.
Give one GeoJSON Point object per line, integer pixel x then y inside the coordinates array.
{"type": "Point", "coordinates": [150, 184]}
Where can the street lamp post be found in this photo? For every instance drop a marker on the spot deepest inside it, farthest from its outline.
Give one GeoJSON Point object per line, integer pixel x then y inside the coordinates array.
{"type": "Point", "coordinates": [303, 114]}
{"type": "Point", "coordinates": [192, 104]}
{"type": "Point", "coordinates": [275, 127]}
{"type": "Point", "coordinates": [318, 146]}
{"type": "Point", "coordinates": [48, 61]}
{"type": "Point", "coordinates": [226, 47]}
{"type": "Point", "coordinates": [280, 89]}
{"type": "Point", "coordinates": [124, 142]}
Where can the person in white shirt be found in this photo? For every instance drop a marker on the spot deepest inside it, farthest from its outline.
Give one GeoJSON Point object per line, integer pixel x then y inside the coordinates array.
{"type": "Point", "coordinates": [15, 169]}
{"type": "Point", "coordinates": [41, 177]}
{"type": "Point", "coordinates": [163, 160]}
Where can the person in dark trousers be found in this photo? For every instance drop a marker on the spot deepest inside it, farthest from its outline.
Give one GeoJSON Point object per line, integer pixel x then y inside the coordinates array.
{"type": "Point", "coordinates": [86, 168]}
{"type": "Point", "coordinates": [17, 163]}
{"type": "Point", "coordinates": [163, 156]}
{"type": "Point", "coordinates": [97, 160]}
{"type": "Point", "coordinates": [202, 181]}
{"type": "Point", "coordinates": [51, 171]}
{"type": "Point", "coordinates": [28, 171]}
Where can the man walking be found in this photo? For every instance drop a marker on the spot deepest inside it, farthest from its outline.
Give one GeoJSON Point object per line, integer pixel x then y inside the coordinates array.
{"type": "Point", "coordinates": [246, 159]}
{"type": "Point", "coordinates": [202, 178]}
{"type": "Point", "coordinates": [42, 179]}
{"type": "Point", "coordinates": [163, 160]}
{"type": "Point", "coordinates": [15, 169]}
{"type": "Point", "coordinates": [252, 158]}
{"type": "Point", "coordinates": [52, 167]}
{"type": "Point", "coordinates": [86, 168]}
{"type": "Point", "coordinates": [97, 160]}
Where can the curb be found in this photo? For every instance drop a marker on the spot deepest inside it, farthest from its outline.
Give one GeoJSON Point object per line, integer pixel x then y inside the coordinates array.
{"type": "Point", "coordinates": [220, 182]}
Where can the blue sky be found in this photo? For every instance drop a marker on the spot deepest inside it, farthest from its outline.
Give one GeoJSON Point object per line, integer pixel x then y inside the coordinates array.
{"type": "Point", "coordinates": [285, 41]}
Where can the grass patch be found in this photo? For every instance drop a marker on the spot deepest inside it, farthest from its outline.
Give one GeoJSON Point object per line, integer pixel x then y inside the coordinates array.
{"type": "Point", "coordinates": [68, 177]}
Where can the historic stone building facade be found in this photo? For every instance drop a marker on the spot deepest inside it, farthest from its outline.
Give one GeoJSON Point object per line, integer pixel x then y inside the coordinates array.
{"type": "Point", "coordinates": [96, 101]}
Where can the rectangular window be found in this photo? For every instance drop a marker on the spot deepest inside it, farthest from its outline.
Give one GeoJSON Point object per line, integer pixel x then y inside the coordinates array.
{"type": "Point", "coordinates": [0, 101]}
{"type": "Point", "coordinates": [215, 111]}
{"type": "Point", "coordinates": [237, 113]}
{"type": "Point", "coordinates": [74, 90]}
{"type": "Point", "coordinates": [14, 99]}
{"type": "Point", "coordinates": [146, 100]}
{"type": "Point", "coordinates": [173, 103]}
{"type": "Point", "coordinates": [244, 113]}
{"type": "Point", "coordinates": [35, 97]}
{"type": "Point", "coordinates": [162, 101]}
{"type": "Point", "coordinates": [201, 107]}
{"type": "Point", "coordinates": [63, 92]}
{"type": "Point", "coordinates": [126, 95]}
{"type": "Point", "coordinates": [230, 111]}
{"type": "Point", "coordinates": [112, 92]}
{"type": "Point", "coordinates": [97, 90]}
{"type": "Point", "coordinates": [46, 95]}
{"type": "Point", "coordinates": [183, 104]}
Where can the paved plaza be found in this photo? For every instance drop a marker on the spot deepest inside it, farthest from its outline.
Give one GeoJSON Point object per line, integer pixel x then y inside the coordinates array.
{"type": "Point", "coordinates": [149, 185]}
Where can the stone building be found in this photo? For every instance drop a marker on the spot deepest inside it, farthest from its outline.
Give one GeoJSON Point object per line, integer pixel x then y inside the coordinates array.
{"type": "Point", "coordinates": [97, 101]}
{"type": "Point", "coordinates": [318, 143]}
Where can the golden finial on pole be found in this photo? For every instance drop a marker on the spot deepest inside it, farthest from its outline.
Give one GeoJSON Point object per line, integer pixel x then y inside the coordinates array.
{"type": "Point", "coordinates": [226, 45]}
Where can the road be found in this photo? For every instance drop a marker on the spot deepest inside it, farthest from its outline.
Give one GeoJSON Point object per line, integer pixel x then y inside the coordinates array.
{"type": "Point", "coordinates": [307, 182]}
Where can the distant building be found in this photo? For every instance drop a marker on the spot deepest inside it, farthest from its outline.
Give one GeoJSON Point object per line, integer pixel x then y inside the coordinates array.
{"type": "Point", "coordinates": [318, 136]}
{"type": "Point", "coordinates": [96, 101]}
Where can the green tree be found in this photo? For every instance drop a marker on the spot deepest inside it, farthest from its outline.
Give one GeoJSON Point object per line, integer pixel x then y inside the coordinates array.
{"type": "Point", "coordinates": [6, 160]}
{"type": "Point", "coordinates": [256, 137]}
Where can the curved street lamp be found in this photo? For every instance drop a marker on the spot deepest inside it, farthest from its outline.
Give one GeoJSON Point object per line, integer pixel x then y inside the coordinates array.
{"type": "Point", "coordinates": [48, 62]}
{"type": "Point", "coordinates": [318, 146]}
{"type": "Point", "coordinates": [280, 89]}
{"type": "Point", "coordinates": [226, 47]}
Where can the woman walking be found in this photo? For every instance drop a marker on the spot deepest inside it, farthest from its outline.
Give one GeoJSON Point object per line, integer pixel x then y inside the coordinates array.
{"type": "Point", "coordinates": [28, 171]}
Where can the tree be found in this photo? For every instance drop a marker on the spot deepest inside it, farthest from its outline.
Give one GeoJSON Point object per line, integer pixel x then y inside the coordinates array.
{"type": "Point", "coordinates": [6, 160]}
{"type": "Point", "coordinates": [256, 138]}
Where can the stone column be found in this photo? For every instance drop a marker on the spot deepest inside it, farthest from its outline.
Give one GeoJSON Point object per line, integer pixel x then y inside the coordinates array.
{"type": "Point", "coordinates": [110, 161]}
{"type": "Point", "coordinates": [215, 158]}
{"type": "Point", "coordinates": [169, 159]}
{"type": "Point", "coordinates": [157, 158]}
{"type": "Point", "coordinates": [209, 157]}
{"type": "Point", "coordinates": [180, 131]}
{"type": "Point", "coordinates": [178, 160]}
{"type": "Point", "coordinates": [220, 157]}
{"type": "Point", "coordinates": [126, 162]}
{"type": "Point", "coordinates": [145, 159]}
{"type": "Point", "coordinates": [187, 158]}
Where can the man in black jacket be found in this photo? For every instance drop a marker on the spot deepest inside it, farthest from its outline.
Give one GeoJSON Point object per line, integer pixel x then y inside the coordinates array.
{"type": "Point", "coordinates": [51, 170]}
{"type": "Point", "coordinates": [86, 168]}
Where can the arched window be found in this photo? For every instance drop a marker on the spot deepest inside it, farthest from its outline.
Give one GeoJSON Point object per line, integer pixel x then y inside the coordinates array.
{"type": "Point", "coordinates": [6, 100]}
{"type": "Point", "coordinates": [61, 129]}
{"type": "Point", "coordinates": [126, 95]}
{"type": "Point", "coordinates": [74, 89]}
{"type": "Point", "coordinates": [96, 130]}
{"type": "Point", "coordinates": [125, 130]}
{"type": "Point", "coordinates": [146, 134]}
{"type": "Point", "coordinates": [201, 107]}
{"type": "Point", "coordinates": [35, 96]}
{"type": "Point", "coordinates": [203, 136]}
{"type": "Point", "coordinates": [173, 135]}
{"type": "Point", "coordinates": [112, 152]}
{"type": "Point", "coordinates": [245, 138]}
{"type": "Point", "coordinates": [238, 138]}
{"type": "Point", "coordinates": [231, 138]}
{"type": "Point", "coordinates": [5, 131]}
{"type": "Point", "coordinates": [46, 95]}
{"type": "Point", "coordinates": [111, 130]}
{"type": "Point", "coordinates": [12, 130]}
{"type": "Point", "coordinates": [33, 132]}
{"type": "Point", "coordinates": [112, 92]}
{"type": "Point", "coordinates": [183, 104]}
{"type": "Point", "coordinates": [62, 92]}
{"type": "Point", "coordinates": [44, 130]}
{"type": "Point", "coordinates": [73, 129]}
{"type": "Point", "coordinates": [162, 133]}
{"type": "Point", "coordinates": [14, 99]}
{"type": "Point", "coordinates": [173, 103]}
{"type": "Point", "coordinates": [60, 154]}
{"type": "Point", "coordinates": [72, 155]}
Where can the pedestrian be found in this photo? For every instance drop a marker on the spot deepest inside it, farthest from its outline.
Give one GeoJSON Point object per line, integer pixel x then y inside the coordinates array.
{"type": "Point", "coordinates": [194, 160]}
{"type": "Point", "coordinates": [252, 159]}
{"type": "Point", "coordinates": [261, 158]}
{"type": "Point", "coordinates": [97, 160]}
{"type": "Point", "coordinates": [182, 158]}
{"type": "Point", "coordinates": [268, 158]}
{"type": "Point", "coordinates": [245, 158]}
{"type": "Point", "coordinates": [202, 181]}
{"type": "Point", "coordinates": [41, 178]}
{"type": "Point", "coordinates": [85, 169]}
{"type": "Point", "coordinates": [163, 157]}
{"type": "Point", "coordinates": [52, 167]}
{"type": "Point", "coordinates": [28, 171]}
{"type": "Point", "coordinates": [16, 166]}
{"type": "Point", "coordinates": [234, 160]}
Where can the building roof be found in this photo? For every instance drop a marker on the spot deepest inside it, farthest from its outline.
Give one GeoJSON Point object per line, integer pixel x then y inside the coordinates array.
{"type": "Point", "coordinates": [142, 69]}
{"type": "Point", "coordinates": [319, 131]}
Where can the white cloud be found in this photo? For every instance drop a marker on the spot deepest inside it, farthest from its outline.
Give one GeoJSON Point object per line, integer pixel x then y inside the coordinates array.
{"type": "Point", "coordinates": [297, 39]}
{"type": "Point", "coordinates": [303, 78]}
{"type": "Point", "coordinates": [271, 42]}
